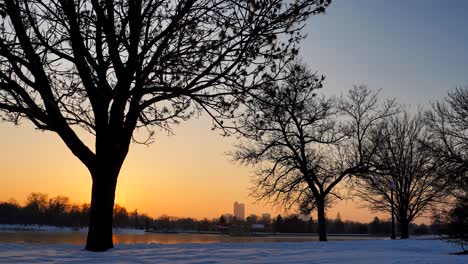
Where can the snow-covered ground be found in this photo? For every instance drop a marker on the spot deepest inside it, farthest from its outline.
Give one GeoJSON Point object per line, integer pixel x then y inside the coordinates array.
{"type": "Point", "coordinates": [369, 251]}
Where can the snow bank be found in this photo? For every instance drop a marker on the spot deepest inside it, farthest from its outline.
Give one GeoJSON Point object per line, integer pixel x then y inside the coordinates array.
{"type": "Point", "coordinates": [369, 251]}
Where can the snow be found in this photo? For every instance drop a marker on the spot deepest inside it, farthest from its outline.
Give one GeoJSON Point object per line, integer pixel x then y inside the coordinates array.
{"type": "Point", "coordinates": [362, 251]}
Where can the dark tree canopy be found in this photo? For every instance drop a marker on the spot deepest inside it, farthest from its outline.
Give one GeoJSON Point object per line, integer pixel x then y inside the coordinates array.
{"type": "Point", "coordinates": [402, 162]}
{"type": "Point", "coordinates": [124, 64]}
{"type": "Point", "coordinates": [303, 145]}
{"type": "Point", "coordinates": [111, 67]}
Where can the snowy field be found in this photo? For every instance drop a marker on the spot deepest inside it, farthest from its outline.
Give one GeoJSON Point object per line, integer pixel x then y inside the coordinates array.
{"type": "Point", "coordinates": [369, 251]}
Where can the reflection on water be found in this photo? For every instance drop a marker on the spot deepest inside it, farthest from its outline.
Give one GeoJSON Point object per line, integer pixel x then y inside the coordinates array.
{"type": "Point", "coordinates": [43, 237]}
{"type": "Point", "coordinates": [79, 238]}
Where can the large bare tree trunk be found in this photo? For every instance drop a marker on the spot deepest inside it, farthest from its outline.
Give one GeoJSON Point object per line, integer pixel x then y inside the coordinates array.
{"type": "Point", "coordinates": [322, 227]}
{"type": "Point", "coordinates": [101, 214]}
{"type": "Point", "coordinates": [404, 229]}
{"type": "Point", "coordinates": [105, 174]}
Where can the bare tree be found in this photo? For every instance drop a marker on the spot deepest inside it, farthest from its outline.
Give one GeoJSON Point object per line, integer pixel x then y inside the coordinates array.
{"type": "Point", "coordinates": [447, 123]}
{"type": "Point", "coordinates": [400, 161]}
{"type": "Point", "coordinates": [111, 67]}
{"type": "Point", "coordinates": [300, 146]}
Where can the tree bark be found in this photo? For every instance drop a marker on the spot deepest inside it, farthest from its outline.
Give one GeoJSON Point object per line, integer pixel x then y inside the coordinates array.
{"type": "Point", "coordinates": [101, 212]}
{"type": "Point", "coordinates": [404, 229]}
{"type": "Point", "coordinates": [105, 173]}
{"type": "Point", "coordinates": [322, 228]}
{"type": "Point", "coordinates": [111, 151]}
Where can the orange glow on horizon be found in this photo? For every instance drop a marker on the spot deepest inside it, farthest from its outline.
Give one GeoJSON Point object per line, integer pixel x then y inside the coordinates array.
{"type": "Point", "coordinates": [185, 175]}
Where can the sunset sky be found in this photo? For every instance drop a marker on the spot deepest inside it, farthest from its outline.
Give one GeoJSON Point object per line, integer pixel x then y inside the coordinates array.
{"type": "Point", "coordinates": [414, 50]}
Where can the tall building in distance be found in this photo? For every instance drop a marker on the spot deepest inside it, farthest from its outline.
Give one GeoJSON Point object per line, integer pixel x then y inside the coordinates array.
{"type": "Point", "coordinates": [239, 210]}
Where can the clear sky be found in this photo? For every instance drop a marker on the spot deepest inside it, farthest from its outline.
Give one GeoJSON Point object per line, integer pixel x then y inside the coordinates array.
{"type": "Point", "coordinates": [414, 50]}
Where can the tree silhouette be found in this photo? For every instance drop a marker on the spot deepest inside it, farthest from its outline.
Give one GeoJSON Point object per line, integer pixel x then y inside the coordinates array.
{"type": "Point", "coordinates": [448, 138]}
{"type": "Point", "coordinates": [457, 223]}
{"type": "Point", "coordinates": [303, 145]}
{"type": "Point", "coordinates": [338, 224]}
{"type": "Point", "coordinates": [36, 206]}
{"type": "Point", "coordinates": [222, 220]}
{"type": "Point", "coordinates": [57, 209]}
{"type": "Point", "coordinates": [402, 162]}
{"type": "Point", "coordinates": [112, 67]}
{"type": "Point", "coordinates": [121, 217]}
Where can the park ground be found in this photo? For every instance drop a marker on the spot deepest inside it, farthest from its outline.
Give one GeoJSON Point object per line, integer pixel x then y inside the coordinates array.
{"type": "Point", "coordinates": [369, 251]}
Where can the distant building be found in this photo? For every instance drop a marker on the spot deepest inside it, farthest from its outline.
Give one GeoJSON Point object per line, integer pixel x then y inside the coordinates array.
{"type": "Point", "coordinates": [239, 210]}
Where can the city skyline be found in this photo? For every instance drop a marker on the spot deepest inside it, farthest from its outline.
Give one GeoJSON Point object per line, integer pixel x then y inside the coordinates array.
{"type": "Point", "coordinates": [264, 216]}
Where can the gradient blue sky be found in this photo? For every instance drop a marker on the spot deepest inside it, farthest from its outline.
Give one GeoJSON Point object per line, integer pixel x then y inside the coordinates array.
{"type": "Point", "coordinates": [414, 50]}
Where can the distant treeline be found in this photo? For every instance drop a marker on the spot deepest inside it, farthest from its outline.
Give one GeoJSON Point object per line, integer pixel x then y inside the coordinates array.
{"type": "Point", "coordinates": [294, 224]}
{"type": "Point", "coordinates": [59, 211]}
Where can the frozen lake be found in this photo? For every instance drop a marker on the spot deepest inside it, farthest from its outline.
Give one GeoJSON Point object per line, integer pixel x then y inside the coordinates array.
{"type": "Point", "coordinates": [79, 238]}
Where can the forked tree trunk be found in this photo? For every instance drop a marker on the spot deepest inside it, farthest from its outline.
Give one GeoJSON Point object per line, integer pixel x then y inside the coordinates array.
{"type": "Point", "coordinates": [322, 227]}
